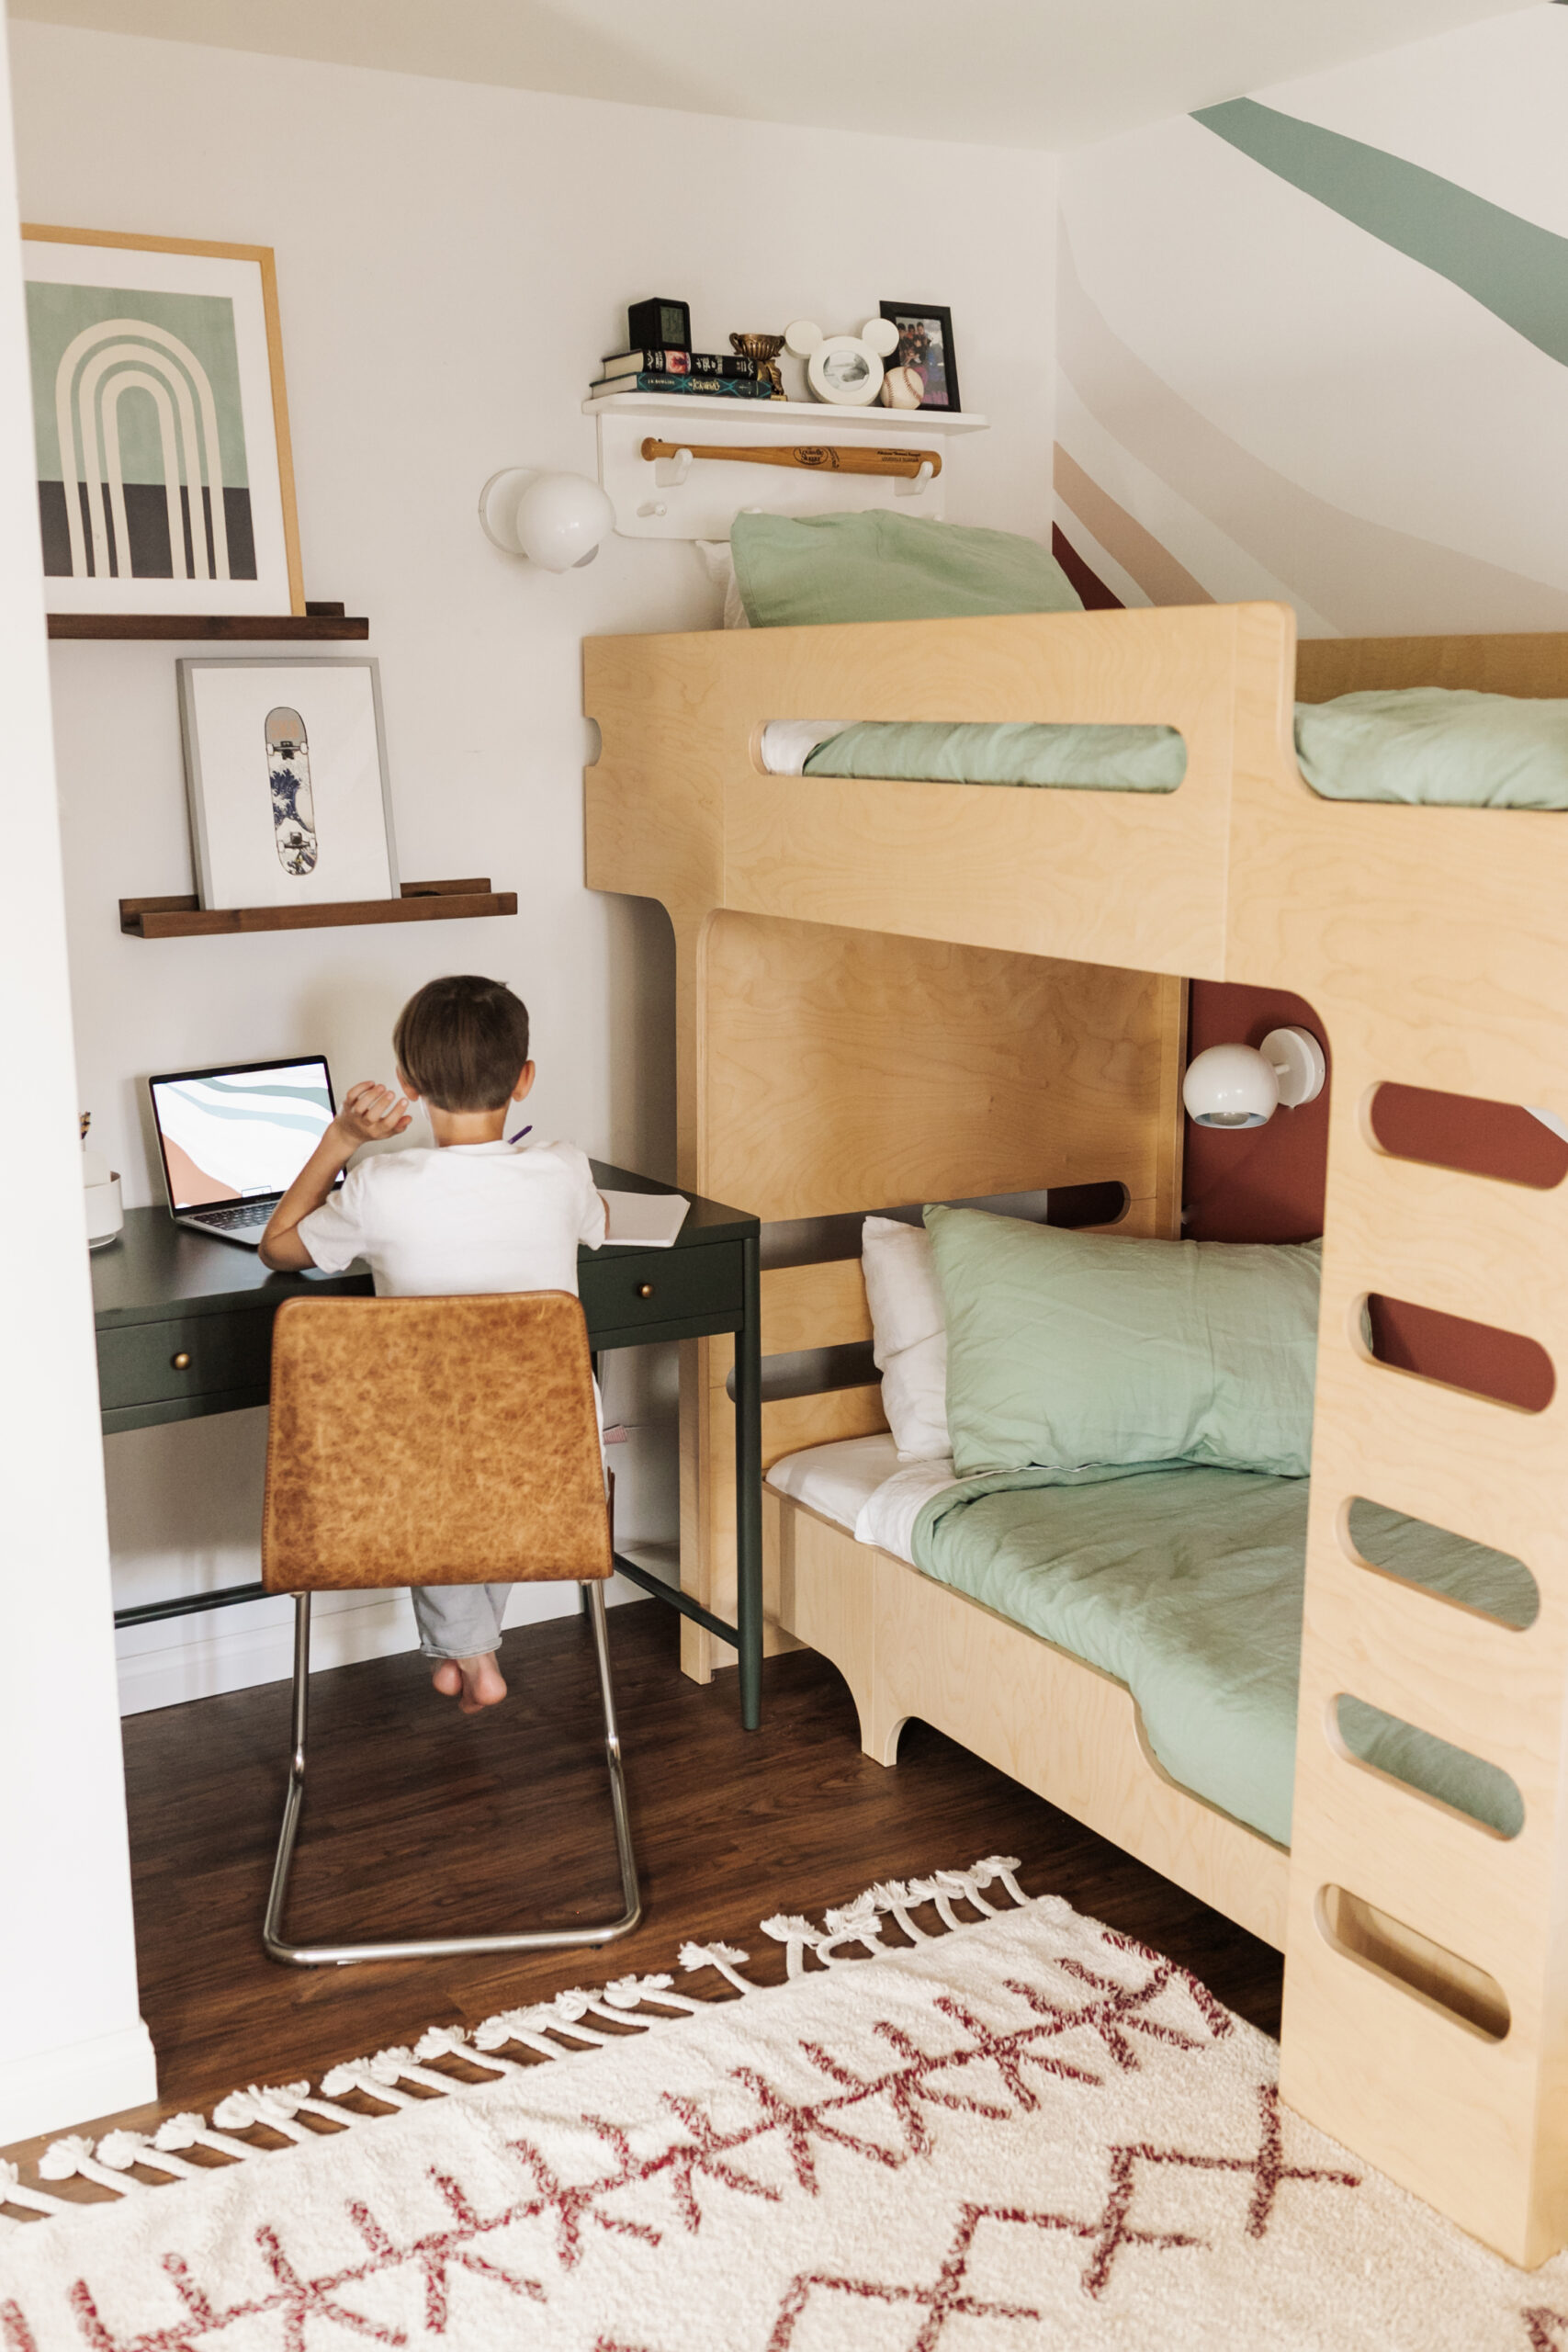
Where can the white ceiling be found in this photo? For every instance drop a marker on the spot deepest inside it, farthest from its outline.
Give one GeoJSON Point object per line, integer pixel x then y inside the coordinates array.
{"type": "Point", "coordinates": [1043, 73]}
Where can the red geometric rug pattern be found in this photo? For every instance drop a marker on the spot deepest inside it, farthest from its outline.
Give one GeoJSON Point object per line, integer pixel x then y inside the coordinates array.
{"type": "Point", "coordinates": [1023, 2130]}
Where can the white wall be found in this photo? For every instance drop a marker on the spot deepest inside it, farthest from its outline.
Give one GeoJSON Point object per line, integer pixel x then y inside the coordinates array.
{"type": "Point", "coordinates": [1271, 389]}
{"type": "Point", "coordinates": [451, 262]}
{"type": "Point", "coordinates": [71, 2042]}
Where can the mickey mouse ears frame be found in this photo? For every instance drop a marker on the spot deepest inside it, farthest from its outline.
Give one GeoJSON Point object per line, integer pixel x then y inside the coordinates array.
{"type": "Point", "coordinates": [925, 341]}
{"type": "Point", "coordinates": [844, 369]}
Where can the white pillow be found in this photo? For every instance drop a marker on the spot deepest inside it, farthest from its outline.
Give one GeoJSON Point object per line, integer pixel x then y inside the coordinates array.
{"type": "Point", "coordinates": [787, 745]}
{"type": "Point", "coordinates": [719, 565]}
{"type": "Point", "coordinates": [908, 1334]}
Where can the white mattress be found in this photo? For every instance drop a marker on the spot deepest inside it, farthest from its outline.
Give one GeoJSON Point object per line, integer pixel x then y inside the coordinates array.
{"type": "Point", "coordinates": [859, 1483]}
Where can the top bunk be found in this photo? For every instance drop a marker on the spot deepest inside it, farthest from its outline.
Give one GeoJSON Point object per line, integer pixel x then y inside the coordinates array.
{"type": "Point", "coordinates": [1242, 873]}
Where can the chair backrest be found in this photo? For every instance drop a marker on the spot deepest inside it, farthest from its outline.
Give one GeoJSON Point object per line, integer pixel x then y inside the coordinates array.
{"type": "Point", "coordinates": [432, 1440]}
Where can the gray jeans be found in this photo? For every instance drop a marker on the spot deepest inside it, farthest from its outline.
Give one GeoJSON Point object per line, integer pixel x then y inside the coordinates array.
{"type": "Point", "coordinates": [458, 1620]}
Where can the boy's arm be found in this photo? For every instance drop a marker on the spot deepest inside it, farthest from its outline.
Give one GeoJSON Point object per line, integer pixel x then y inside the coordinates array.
{"type": "Point", "coordinates": [369, 1113]}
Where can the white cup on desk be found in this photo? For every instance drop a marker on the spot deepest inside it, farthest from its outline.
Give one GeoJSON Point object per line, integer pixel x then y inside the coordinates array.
{"type": "Point", "coordinates": [100, 1189]}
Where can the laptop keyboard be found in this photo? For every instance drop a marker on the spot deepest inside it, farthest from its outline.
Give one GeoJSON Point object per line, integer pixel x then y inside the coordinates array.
{"type": "Point", "coordinates": [228, 1220]}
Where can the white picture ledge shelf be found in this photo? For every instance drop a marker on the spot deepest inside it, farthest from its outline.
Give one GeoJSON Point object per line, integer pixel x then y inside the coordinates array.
{"type": "Point", "coordinates": [705, 502]}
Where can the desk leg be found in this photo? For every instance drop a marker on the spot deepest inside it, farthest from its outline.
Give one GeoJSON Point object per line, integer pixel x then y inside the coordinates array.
{"type": "Point", "coordinates": [749, 1491]}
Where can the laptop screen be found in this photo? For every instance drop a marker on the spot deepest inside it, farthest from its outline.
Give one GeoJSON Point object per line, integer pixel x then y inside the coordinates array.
{"type": "Point", "coordinates": [240, 1135]}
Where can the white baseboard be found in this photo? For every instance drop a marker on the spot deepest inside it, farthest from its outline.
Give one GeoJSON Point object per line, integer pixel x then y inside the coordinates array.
{"type": "Point", "coordinates": [179, 1658]}
{"type": "Point", "coordinates": [50, 2090]}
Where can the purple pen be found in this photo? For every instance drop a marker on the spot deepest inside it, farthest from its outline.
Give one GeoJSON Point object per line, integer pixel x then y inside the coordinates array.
{"type": "Point", "coordinates": [519, 1136]}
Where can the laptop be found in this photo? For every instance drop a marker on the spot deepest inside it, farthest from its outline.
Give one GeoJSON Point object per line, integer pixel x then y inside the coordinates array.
{"type": "Point", "coordinates": [234, 1140]}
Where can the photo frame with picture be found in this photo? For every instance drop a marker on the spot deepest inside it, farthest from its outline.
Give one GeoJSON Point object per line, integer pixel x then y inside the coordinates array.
{"type": "Point", "coordinates": [286, 770]}
{"type": "Point", "coordinates": [165, 473]}
{"type": "Point", "coordinates": [925, 341]}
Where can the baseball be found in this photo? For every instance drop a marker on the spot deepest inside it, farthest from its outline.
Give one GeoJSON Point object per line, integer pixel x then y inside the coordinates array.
{"type": "Point", "coordinates": [903, 388]}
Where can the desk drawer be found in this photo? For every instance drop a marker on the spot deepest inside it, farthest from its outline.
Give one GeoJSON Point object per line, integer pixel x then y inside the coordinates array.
{"type": "Point", "coordinates": [625, 1289]}
{"type": "Point", "coordinates": [136, 1361]}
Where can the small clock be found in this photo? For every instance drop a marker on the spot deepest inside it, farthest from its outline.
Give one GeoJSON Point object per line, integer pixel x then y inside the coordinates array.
{"type": "Point", "coordinates": [659, 325]}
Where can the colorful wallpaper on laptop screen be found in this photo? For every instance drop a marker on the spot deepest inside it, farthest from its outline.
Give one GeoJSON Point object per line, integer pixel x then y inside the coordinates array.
{"type": "Point", "coordinates": [1314, 343]}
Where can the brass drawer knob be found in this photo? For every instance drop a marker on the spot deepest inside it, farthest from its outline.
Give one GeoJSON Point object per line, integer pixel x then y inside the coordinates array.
{"type": "Point", "coordinates": [182, 1362]}
{"type": "Point", "coordinates": [645, 1290]}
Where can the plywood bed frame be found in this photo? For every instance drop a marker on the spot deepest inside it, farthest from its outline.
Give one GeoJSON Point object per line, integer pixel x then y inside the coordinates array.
{"type": "Point", "coordinates": [890, 993]}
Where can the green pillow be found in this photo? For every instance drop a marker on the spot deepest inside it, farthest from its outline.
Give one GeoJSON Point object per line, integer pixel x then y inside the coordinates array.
{"type": "Point", "coordinates": [1070, 1349]}
{"type": "Point", "coordinates": [880, 567]}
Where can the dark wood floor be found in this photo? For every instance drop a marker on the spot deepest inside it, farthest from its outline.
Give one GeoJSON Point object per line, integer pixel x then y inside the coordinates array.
{"type": "Point", "coordinates": [419, 1821]}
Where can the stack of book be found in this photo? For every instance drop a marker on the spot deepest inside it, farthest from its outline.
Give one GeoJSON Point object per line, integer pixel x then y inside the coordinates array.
{"type": "Point", "coordinates": [709, 372]}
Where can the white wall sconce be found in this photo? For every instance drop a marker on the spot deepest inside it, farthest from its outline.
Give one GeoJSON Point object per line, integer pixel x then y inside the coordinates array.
{"type": "Point", "coordinates": [1242, 1086]}
{"type": "Point", "coordinates": [555, 520]}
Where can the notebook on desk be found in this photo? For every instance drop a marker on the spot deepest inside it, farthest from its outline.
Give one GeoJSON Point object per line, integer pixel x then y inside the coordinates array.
{"type": "Point", "coordinates": [233, 1141]}
{"type": "Point", "coordinates": [645, 1220]}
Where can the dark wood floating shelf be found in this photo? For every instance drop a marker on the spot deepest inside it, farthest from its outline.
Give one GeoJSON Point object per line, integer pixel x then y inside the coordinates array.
{"type": "Point", "coordinates": [317, 621]}
{"type": "Point", "coordinates": [420, 902]}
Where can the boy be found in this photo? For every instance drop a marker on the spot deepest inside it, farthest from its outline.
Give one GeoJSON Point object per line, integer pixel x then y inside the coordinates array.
{"type": "Point", "coordinates": [477, 1214]}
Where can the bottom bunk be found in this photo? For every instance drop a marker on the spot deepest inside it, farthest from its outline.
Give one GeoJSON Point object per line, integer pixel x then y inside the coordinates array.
{"type": "Point", "coordinates": [1129, 1650]}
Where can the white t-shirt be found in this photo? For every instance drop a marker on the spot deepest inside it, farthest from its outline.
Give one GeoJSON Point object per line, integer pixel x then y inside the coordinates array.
{"type": "Point", "coordinates": [473, 1216]}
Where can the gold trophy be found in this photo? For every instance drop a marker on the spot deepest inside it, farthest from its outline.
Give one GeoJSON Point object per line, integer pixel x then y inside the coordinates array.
{"type": "Point", "coordinates": [764, 349]}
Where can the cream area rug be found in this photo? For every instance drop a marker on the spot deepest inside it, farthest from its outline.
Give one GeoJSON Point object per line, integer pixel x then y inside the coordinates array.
{"type": "Point", "coordinates": [968, 2121]}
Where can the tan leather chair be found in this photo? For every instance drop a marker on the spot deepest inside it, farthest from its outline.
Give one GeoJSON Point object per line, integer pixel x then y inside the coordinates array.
{"type": "Point", "coordinates": [435, 1441]}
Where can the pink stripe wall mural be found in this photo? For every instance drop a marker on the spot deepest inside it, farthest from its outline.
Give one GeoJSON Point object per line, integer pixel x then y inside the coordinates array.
{"type": "Point", "coordinates": [1156, 569]}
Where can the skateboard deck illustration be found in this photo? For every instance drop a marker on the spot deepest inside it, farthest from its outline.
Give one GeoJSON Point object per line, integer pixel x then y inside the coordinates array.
{"type": "Point", "coordinates": [293, 804]}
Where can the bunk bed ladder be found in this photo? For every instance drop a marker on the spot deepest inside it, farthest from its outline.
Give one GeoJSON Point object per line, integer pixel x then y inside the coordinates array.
{"type": "Point", "coordinates": [1426, 2019]}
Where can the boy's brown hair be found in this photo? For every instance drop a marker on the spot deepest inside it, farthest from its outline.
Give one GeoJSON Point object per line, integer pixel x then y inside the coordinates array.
{"type": "Point", "coordinates": [461, 1042]}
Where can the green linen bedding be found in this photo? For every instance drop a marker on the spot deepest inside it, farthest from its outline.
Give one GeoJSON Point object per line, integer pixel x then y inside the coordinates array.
{"type": "Point", "coordinates": [1186, 1585]}
{"type": "Point", "coordinates": [1090, 759]}
{"type": "Point", "coordinates": [1424, 746]}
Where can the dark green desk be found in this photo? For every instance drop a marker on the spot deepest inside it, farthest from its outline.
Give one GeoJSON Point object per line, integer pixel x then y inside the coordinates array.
{"type": "Point", "coordinates": [185, 1329]}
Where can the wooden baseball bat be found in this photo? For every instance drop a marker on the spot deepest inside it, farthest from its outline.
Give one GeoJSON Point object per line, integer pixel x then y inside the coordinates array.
{"type": "Point", "coordinates": [814, 458]}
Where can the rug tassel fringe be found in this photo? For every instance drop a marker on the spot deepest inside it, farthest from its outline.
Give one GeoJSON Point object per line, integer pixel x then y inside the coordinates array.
{"type": "Point", "coordinates": [14, 2191]}
{"type": "Point", "coordinates": [549, 2029]}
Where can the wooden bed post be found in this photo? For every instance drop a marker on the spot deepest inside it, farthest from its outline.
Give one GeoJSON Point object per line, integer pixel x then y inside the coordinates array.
{"type": "Point", "coordinates": [706, 1423]}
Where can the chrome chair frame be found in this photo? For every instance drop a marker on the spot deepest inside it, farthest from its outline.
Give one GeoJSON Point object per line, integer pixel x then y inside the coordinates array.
{"type": "Point", "coordinates": [343, 1955]}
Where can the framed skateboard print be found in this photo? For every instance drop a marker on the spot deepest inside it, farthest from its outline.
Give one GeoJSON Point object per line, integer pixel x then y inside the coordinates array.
{"type": "Point", "coordinates": [164, 479]}
{"type": "Point", "coordinates": [286, 770]}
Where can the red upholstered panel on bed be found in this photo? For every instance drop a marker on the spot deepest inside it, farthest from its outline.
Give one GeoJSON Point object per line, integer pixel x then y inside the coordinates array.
{"type": "Point", "coordinates": [1266, 1184]}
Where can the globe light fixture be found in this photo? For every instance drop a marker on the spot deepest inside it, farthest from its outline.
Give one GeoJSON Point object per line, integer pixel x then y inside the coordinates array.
{"type": "Point", "coordinates": [555, 520]}
{"type": "Point", "coordinates": [1242, 1086]}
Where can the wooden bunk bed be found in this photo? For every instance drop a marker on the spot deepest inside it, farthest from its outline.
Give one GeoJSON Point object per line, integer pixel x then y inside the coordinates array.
{"type": "Point", "coordinates": [890, 993]}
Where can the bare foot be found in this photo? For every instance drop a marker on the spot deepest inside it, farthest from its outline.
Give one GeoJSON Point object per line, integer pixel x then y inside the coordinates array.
{"type": "Point", "coordinates": [475, 1682]}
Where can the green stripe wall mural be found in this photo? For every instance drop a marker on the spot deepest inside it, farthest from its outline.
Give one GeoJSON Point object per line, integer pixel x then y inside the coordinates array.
{"type": "Point", "coordinates": [1518, 269]}
{"type": "Point", "coordinates": [1295, 361]}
